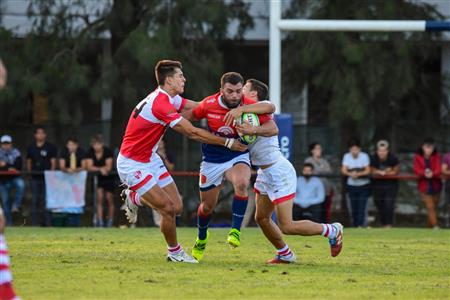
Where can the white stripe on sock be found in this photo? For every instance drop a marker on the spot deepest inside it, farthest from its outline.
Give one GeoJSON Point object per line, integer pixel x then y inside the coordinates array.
{"type": "Point", "coordinates": [5, 276]}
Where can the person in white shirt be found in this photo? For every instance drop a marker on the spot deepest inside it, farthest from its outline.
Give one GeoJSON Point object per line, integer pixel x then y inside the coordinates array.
{"type": "Point", "coordinates": [309, 197]}
{"type": "Point", "coordinates": [356, 166]}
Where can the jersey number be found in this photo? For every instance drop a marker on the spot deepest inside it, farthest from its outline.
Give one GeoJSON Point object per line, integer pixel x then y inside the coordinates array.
{"type": "Point", "coordinates": [138, 110]}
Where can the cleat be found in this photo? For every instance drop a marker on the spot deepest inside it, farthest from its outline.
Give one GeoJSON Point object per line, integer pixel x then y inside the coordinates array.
{"type": "Point", "coordinates": [280, 259]}
{"type": "Point", "coordinates": [234, 238]}
{"type": "Point", "coordinates": [336, 243]}
{"type": "Point", "coordinates": [129, 207]}
{"type": "Point", "coordinates": [199, 247]}
{"type": "Point", "coordinates": [181, 257]}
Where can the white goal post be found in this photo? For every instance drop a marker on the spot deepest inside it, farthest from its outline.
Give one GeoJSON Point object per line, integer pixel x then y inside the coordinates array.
{"type": "Point", "coordinates": [277, 25]}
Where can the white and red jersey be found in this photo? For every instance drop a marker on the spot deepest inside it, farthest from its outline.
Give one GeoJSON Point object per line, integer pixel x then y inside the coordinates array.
{"type": "Point", "coordinates": [214, 110]}
{"type": "Point", "coordinates": [148, 122]}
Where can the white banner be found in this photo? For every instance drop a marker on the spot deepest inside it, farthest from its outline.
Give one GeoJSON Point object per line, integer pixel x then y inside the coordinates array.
{"type": "Point", "coordinates": [65, 190]}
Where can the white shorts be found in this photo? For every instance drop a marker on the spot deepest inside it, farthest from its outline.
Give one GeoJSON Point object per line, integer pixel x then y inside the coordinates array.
{"type": "Point", "coordinates": [212, 174]}
{"type": "Point", "coordinates": [278, 182]}
{"type": "Point", "coordinates": [141, 177]}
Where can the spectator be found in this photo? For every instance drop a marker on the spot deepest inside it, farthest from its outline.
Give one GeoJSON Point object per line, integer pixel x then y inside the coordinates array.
{"type": "Point", "coordinates": [427, 166]}
{"type": "Point", "coordinates": [356, 166]}
{"type": "Point", "coordinates": [41, 156]}
{"type": "Point", "coordinates": [309, 196]}
{"type": "Point", "coordinates": [10, 160]}
{"type": "Point", "coordinates": [72, 157]}
{"type": "Point", "coordinates": [446, 175]}
{"type": "Point", "coordinates": [100, 159]}
{"type": "Point", "coordinates": [384, 163]}
{"type": "Point", "coordinates": [322, 167]}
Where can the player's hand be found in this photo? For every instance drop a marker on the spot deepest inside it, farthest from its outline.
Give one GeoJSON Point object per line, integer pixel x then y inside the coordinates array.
{"type": "Point", "coordinates": [245, 128]}
{"type": "Point", "coordinates": [238, 146]}
{"type": "Point", "coordinates": [232, 116]}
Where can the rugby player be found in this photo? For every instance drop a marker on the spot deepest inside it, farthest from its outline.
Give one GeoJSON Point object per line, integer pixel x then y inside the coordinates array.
{"type": "Point", "coordinates": [220, 162]}
{"type": "Point", "coordinates": [276, 185]}
{"type": "Point", "coordinates": [140, 167]}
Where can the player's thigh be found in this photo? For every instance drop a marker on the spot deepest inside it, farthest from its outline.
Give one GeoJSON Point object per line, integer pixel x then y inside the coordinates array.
{"type": "Point", "coordinates": [284, 211]}
{"type": "Point", "coordinates": [172, 190]}
{"type": "Point", "coordinates": [264, 207]}
{"type": "Point", "coordinates": [159, 199]}
{"type": "Point", "coordinates": [239, 175]}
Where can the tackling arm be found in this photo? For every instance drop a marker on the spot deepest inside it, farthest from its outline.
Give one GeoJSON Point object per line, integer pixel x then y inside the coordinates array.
{"type": "Point", "coordinates": [267, 129]}
{"type": "Point", "coordinates": [201, 135]}
{"type": "Point", "coordinates": [263, 107]}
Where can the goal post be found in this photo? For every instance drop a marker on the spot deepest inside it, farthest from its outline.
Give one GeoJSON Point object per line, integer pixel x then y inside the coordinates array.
{"type": "Point", "coordinates": [277, 25]}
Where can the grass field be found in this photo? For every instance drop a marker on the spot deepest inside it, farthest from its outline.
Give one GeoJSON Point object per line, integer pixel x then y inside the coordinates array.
{"type": "Point", "coordinates": [130, 264]}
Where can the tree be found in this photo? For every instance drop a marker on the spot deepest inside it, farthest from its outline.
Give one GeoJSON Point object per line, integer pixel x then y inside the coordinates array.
{"type": "Point", "coordinates": [80, 52]}
{"type": "Point", "coordinates": [368, 82]}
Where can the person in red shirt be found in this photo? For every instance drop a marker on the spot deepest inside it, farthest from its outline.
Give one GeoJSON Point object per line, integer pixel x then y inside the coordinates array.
{"type": "Point", "coordinates": [427, 166]}
{"type": "Point", "coordinates": [220, 163]}
{"type": "Point", "coordinates": [141, 168]}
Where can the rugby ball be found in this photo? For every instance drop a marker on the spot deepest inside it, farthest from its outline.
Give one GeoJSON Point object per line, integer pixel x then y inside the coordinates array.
{"type": "Point", "coordinates": [253, 120]}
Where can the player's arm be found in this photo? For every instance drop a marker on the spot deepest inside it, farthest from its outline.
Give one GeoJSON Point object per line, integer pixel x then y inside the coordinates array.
{"type": "Point", "coordinates": [263, 107]}
{"type": "Point", "coordinates": [267, 129]}
{"type": "Point", "coordinates": [188, 115]}
{"type": "Point", "coordinates": [201, 135]}
{"type": "Point", "coordinates": [189, 105]}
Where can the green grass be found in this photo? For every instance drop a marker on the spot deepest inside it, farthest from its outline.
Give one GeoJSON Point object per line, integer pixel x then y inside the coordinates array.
{"type": "Point", "coordinates": [130, 264]}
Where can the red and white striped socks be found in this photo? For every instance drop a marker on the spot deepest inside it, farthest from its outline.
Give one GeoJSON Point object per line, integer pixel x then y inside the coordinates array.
{"type": "Point", "coordinates": [174, 250]}
{"type": "Point", "coordinates": [6, 289]}
{"type": "Point", "coordinates": [329, 231]}
{"type": "Point", "coordinates": [285, 252]}
{"type": "Point", "coordinates": [135, 198]}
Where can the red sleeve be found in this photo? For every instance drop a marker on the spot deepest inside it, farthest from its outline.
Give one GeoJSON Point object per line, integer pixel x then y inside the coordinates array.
{"type": "Point", "coordinates": [183, 103]}
{"type": "Point", "coordinates": [164, 111]}
{"type": "Point", "coordinates": [419, 166]}
{"type": "Point", "coordinates": [436, 166]}
{"type": "Point", "coordinates": [199, 112]}
{"type": "Point", "coordinates": [264, 118]}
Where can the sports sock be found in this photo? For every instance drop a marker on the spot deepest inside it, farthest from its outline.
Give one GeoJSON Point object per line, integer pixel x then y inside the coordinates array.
{"type": "Point", "coordinates": [238, 208]}
{"type": "Point", "coordinates": [6, 289]}
{"type": "Point", "coordinates": [203, 220]}
{"type": "Point", "coordinates": [285, 251]}
{"type": "Point", "coordinates": [329, 231]}
{"type": "Point", "coordinates": [174, 250]}
{"type": "Point", "coordinates": [135, 198]}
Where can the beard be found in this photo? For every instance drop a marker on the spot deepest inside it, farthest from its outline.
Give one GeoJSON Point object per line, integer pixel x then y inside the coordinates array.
{"type": "Point", "coordinates": [229, 103]}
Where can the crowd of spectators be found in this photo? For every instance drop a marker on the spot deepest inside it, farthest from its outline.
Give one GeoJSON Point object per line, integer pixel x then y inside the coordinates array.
{"type": "Point", "coordinates": [370, 175]}
{"type": "Point", "coordinates": [41, 156]}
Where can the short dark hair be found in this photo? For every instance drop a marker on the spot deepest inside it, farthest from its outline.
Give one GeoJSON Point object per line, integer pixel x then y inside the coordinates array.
{"type": "Point", "coordinates": [97, 138]}
{"type": "Point", "coordinates": [232, 78]}
{"type": "Point", "coordinates": [310, 165]}
{"type": "Point", "coordinates": [354, 142]}
{"type": "Point", "coordinates": [165, 68]}
{"type": "Point", "coordinates": [312, 146]}
{"type": "Point", "coordinates": [262, 90]}
{"type": "Point", "coordinates": [72, 139]}
{"type": "Point", "coordinates": [36, 128]}
{"type": "Point", "coordinates": [428, 141]}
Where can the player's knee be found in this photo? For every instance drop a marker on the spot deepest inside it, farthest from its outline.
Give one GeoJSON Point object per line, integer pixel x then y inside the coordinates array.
{"type": "Point", "coordinates": [168, 210]}
{"type": "Point", "coordinates": [261, 219]}
{"type": "Point", "coordinates": [240, 187]}
{"type": "Point", "coordinates": [285, 228]}
{"type": "Point", "coordinates": [178, 207]}
{"type": "Point", "coordinates": [207, 208]}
